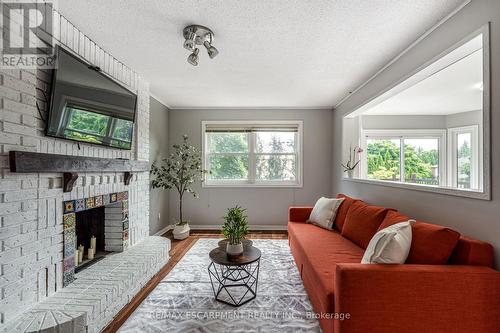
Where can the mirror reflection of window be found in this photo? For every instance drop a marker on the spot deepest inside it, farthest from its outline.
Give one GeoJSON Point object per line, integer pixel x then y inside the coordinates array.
{"type": "Point", "coordinates": [427, 130]}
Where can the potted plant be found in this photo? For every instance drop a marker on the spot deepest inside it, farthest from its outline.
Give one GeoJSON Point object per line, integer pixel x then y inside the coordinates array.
{"type": "Point", "coordinates": [235, 229]}
{"type": "Point", "coordinates": [179, 171]}
{"type": "Point", "coordinates": [353, 161]}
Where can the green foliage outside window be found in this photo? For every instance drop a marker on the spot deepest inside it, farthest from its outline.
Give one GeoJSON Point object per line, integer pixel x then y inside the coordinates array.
{"type": "Point", "coordinates": [92, 127]}
{"type": "Point", "coordinates": [231, 166]}
{"type": "Point", "coordinates": [384, 161]}
{"type": "Point", "coordinates": [229, 159]}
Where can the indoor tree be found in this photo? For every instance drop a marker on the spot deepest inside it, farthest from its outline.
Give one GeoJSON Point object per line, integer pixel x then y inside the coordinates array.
{"type": "Point", "coordinates": [179, 171]}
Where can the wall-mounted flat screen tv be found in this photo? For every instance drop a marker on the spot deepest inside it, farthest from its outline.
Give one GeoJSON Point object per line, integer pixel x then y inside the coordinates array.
{"type": "Point", "coordinates": [88, 106]}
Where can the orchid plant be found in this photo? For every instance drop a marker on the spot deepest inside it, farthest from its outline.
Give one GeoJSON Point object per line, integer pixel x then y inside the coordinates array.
{"type": "Point", "coordinates": [354, 159]}
{"type": "Point", "coordinates": [179, 171]}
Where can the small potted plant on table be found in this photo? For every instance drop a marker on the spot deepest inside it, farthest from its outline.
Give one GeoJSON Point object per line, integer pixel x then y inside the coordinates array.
{"type": "Point", "coordinates": [235, 229]}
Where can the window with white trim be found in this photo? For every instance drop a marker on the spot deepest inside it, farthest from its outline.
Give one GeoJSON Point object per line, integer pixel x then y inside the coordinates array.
{"type": "Point", "coordinates": [241, 153]}
{"type": "Point", "coordinates": [464, 171]}
{"type": "Point", "coordinates": [407, 156]}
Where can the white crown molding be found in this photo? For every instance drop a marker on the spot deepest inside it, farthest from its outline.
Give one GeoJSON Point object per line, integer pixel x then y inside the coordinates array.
{"type": "Point", "coordinates": [160, 100]}
{"type": "Point", "coordinates": [277, 108]}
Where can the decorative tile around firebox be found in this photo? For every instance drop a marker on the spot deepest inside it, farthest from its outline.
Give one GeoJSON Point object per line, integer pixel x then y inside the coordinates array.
{"type": "Point", "coordinates": [69, 220]}
{"type": "Point", "coordinates": [89, 203]}
{"type": "Point", "coordinates": [117, 226]}
{"type": "Point", "coordinates": [69, 275]}
{"type": "Point", "coordinates": [121, 196]}
{"type": "Point", "coordinates": [98, 201]}
{"type": "Point", "coordinates": [69, 270]}
{"type": "Point", "coordinates": [79, 205]}
{"type": "Point", "coordinates": [69, 206]}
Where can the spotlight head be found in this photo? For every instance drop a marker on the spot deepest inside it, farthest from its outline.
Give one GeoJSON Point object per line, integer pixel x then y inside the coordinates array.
{"type": "Point", "coordinates": [211, 50]}
{"type": "Point", "coordinates": [189, 43]}
{"type": "Point", "coordinates": [193, 57]}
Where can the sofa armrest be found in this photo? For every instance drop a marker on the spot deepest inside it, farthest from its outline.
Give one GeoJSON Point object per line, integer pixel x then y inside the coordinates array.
{"type": "Point", "coordinates": [417, 298]}
{"type": "Point", "coordinates": [299, 214]}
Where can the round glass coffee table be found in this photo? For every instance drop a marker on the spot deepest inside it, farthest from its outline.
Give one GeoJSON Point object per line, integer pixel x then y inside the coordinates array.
{"type": "Point", "coordinates": [234, 280]}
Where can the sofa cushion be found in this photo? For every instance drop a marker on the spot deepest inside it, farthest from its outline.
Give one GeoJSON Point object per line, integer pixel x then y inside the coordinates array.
{"type": "Point", "coordinates": [392, 217]}
{"type": "Point", "coordinates": [362, 222]}
{"type": "Point", "coordinates": [472, 252]}
{"type": "Point", "coordinates": [431, 244]}
{"type": "Point", "coordinates": [342, 211]}
{"type": "Point", "coordinates": [319, 250]}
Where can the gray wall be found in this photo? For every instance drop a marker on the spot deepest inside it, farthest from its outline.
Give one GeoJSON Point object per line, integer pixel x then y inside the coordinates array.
{"type": "Point", "coordinates": [476, 218]}
{"type": "Point", "coordinates": [266, 206]}
{"type": "Point", "coordinates": [158, 149]}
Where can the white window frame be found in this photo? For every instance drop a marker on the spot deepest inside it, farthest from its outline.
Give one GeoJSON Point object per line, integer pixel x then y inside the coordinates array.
{"type": "Point", "coordinates": [476, 175]}
{"type": "Point", "coordinates": [251, 181]}
{"type": "Point", "coordinates": [402, 134]}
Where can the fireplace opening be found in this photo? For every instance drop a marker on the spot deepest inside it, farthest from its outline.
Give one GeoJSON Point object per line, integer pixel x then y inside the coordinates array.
{"type": "Point", "coordinates": [90, 237]}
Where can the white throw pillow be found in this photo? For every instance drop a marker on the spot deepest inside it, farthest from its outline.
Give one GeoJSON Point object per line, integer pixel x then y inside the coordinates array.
{"type": "Point", "coordinates": [324, 212]}
{"type": "Point", "coordinates": [390, 245]}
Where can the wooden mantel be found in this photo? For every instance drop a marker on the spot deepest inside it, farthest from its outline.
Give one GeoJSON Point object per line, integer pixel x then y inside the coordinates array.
{"type": "Point", "coordinates": [27, 162]}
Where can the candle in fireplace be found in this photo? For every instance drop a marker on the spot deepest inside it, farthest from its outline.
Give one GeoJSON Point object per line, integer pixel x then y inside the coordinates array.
{"type": "Point", "coordinates": [77, 253]}
{"type": "Point", "coordinates": [90, 254]}
{"type": "Point", "coordinates": [80, 253]}
{"type": "Point", "coordinates": [93, 243]}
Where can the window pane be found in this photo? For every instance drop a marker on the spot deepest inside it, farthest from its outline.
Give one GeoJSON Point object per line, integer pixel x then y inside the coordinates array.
{"type": "Point", "coordinates": [383, 159]}
{"type": "Point", "coordinates": [422, 161]}
{"type": "Point", "coordinates": [88, 122]}
{"type": "Point", "coordinates": [86, 126]}
{"type": "Point", "coordinates": [276, 167]}
{"type": "Point", "coordinates": [464, 158]}
{"type": "Point", "coordinates": [227, 142]}
{"type": "Point", "coordinates": [228, 167]}
{"type": "Point", "coordinates": [123, 130]}
{"type": "Point", "coordinates": [275, 142]}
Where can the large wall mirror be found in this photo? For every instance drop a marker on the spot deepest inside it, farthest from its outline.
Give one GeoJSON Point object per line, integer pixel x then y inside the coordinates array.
{"type": "Point", "coordinates": [430, 131]}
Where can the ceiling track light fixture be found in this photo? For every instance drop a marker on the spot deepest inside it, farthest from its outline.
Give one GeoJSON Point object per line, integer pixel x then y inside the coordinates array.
{"type": "Point", "coordinates": [195, 35]}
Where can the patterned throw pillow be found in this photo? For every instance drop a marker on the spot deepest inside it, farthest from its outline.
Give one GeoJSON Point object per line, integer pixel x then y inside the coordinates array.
{"type": "Point", "coordinates": [324, 211]}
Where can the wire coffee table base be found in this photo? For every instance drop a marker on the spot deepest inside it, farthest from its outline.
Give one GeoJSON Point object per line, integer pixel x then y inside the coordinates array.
{"type": "Point", "coordinates": [234, 285]}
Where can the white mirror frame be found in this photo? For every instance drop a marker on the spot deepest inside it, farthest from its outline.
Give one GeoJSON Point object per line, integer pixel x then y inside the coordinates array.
{"type": "Point", "coordinates": [485, 194]}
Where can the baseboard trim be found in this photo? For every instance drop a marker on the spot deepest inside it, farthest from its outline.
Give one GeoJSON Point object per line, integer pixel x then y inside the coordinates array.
{"type": "Point", "coordinates": [252, 227]}
{"type": "Point", "coordinates": [164, 230]}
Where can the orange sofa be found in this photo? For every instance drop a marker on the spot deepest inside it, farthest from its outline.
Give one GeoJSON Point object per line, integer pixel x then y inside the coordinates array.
{"type": "Point", "coordinates": [446, 285]}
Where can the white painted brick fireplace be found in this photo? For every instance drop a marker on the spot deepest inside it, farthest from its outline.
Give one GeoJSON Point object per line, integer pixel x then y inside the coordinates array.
{"type": "Point", "coordinates": [31, 205]}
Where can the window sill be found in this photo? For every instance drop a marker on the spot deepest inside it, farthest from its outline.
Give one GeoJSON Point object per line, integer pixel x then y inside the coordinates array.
{"type": "Point", "coordinates": [473, 194]}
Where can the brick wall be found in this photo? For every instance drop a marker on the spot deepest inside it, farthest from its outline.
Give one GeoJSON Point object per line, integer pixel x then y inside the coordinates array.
{"type": "Point", "coordinates": [31, 205]}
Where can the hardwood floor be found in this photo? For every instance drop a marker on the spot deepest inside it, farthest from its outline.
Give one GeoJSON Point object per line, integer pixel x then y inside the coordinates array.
{"type": "Point", "coordinates": [178, 249]}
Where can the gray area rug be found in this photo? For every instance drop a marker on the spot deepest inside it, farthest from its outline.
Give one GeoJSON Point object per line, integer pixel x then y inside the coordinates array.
{"type": "Point", "coordinates": [184, 301]}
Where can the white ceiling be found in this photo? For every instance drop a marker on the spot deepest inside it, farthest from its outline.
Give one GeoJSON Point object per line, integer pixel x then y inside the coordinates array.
{"type": "Point", "coordinates": [456, 88]}
{"type": "Point", "coordinates": [281, 53]}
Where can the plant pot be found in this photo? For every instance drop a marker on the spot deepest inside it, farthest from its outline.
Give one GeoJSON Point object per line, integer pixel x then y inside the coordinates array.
{"type": "Point", "coordinates": [350, 173]}
{"type": "Point", "coordinates": [234, 250]}
{"type": "Point", "coordinates": [181, 231]}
